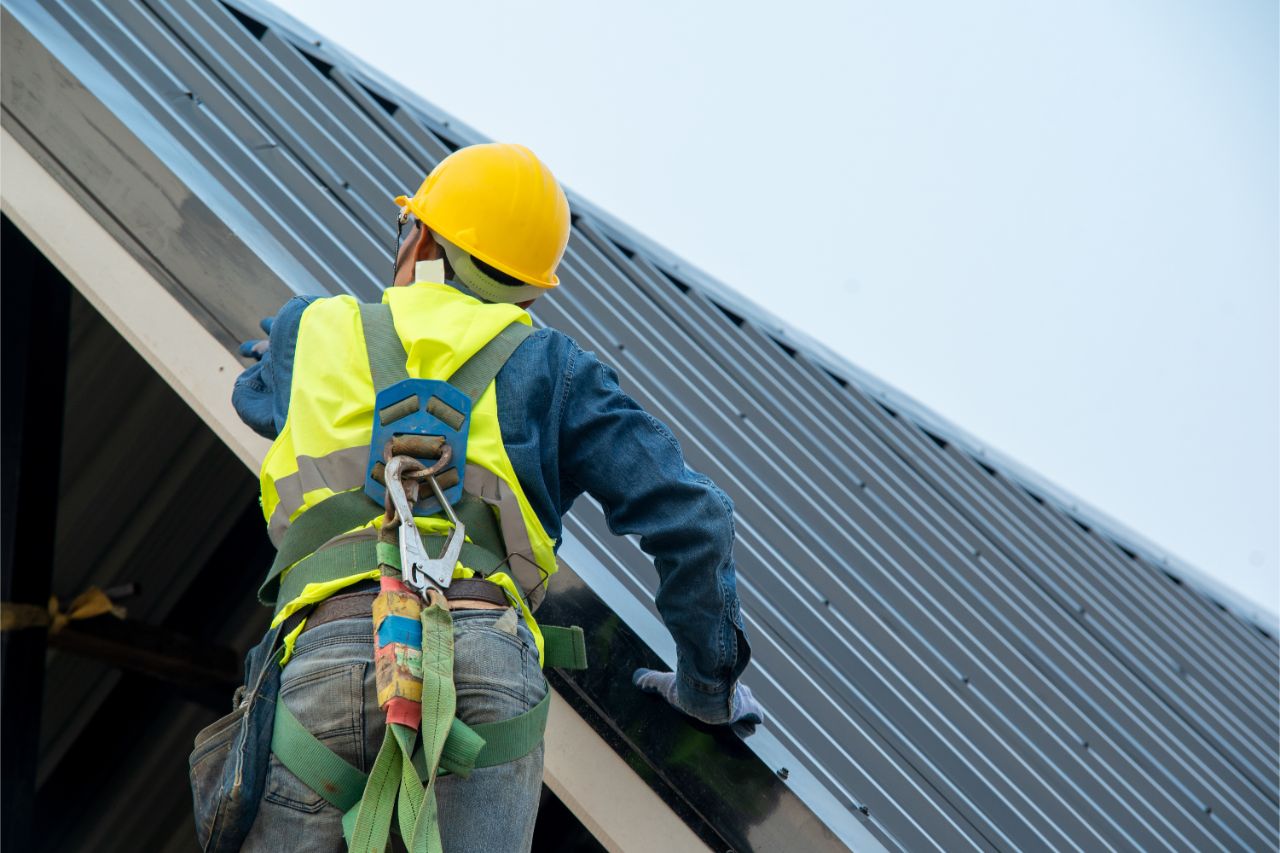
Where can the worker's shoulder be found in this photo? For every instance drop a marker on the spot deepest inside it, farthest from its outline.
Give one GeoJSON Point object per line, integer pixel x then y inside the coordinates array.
{"type": "Point", "coordinates": [336, 302]}
{"type": "Point", "coordinates": [548, 343]}
{"type": "Point", "coordinates": [548, 352]}
{"type": "Point", "coordinates": [558, 347]}
{"type": "Point", "coordinates": [293, 309]}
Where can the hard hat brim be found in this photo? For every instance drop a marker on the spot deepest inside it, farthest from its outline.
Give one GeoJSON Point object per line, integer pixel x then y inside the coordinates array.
{"type": "Point", "coordinates": [403, 202]}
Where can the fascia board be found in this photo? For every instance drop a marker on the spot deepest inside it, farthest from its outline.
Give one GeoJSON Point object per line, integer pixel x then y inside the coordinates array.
{"type": "Point", "coordinates": [176, 345]}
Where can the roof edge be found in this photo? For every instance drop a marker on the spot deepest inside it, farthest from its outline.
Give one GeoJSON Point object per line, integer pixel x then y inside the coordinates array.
{"type": "Point", "coordinates": [836, 364]}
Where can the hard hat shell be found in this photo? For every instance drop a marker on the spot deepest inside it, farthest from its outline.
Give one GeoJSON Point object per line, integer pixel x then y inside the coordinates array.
{"type": "Point", "coordinates": [501, 204]}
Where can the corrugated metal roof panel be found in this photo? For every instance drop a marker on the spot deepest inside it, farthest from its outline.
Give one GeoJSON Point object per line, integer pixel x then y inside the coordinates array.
{"type": "Point", "coordinates": [957, 659]}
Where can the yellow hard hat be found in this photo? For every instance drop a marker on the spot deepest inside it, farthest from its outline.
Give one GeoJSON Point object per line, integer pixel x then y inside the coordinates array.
{"type": "Point", "coordinates": [499, 203]}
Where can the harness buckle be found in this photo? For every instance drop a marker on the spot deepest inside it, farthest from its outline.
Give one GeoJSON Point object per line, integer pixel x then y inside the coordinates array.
{"type": "Point", "coordinates": [418, 570]}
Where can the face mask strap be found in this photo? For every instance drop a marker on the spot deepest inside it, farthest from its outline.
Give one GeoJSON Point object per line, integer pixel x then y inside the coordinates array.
{"type": "Point", "coordinates": [401, 220]}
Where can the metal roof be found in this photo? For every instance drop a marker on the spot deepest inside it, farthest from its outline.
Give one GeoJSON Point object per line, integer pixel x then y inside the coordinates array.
{"type": "Point", "coordinates": [951, 654]}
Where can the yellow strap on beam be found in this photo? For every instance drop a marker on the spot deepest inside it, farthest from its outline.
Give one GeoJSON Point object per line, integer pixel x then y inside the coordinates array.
{"type": "Point", "coordinates": [88, 604]}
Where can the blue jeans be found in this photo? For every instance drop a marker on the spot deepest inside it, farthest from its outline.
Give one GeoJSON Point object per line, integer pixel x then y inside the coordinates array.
{"type": "Point", "coordinates": [329, 686]}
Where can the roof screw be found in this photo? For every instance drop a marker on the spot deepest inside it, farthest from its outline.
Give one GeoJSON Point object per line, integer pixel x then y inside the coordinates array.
{"type": "Point", "coordinates": [124, 590]}
{"type": "Point", "coordinates": [783, 773]}
{"type": "Point", "coordinates": [1084, 744]}
{"type": "Point", "coordinates": [1208, 809]}
{"type": "Point", "coordinates": [964, 679]}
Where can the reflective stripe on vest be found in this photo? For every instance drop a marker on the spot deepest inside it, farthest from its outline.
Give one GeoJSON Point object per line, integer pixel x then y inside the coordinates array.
{"type": "Point", "coordinates": [337, 472]}
{"type": "Point", "coordinates": [323, 447]}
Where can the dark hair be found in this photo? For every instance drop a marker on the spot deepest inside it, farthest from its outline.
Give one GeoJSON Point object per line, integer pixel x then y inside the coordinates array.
{"type": "Point", "coordinates": [496, 274]}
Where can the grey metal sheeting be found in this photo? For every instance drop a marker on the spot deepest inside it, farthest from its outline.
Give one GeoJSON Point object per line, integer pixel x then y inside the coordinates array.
{"type": "Point", "coordinates": [961, 663]}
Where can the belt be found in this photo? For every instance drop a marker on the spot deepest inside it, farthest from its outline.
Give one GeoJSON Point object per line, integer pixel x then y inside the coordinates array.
{"type": "Point", "coordinates": [477, 589]}
{"type": "Point", "coordinates": [358, 600]}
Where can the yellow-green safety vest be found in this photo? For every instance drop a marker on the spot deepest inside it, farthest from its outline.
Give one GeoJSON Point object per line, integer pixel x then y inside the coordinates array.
{"type": "Point", "coordinates": [323, 448]}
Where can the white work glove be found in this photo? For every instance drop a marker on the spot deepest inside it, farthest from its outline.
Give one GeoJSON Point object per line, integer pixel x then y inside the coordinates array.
{"type": "Point", "coordinates": [256, 349]}
{"type": "Point", "coordinates": [745, 712]}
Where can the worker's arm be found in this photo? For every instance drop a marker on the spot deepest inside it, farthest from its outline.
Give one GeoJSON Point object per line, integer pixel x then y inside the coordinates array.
{"type": "Point", "coordinates": [633, 466]}
{"type": "Point", "coordinates": [261, 393]}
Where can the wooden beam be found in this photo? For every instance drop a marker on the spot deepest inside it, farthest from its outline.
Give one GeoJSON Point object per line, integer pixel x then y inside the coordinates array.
{"type": "Point", "coordinates": [204, 672]}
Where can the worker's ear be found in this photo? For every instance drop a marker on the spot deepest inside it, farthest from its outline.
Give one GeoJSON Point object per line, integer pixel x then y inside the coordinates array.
{"type": "Point", "coordinates": [418, 246]}
{"type": "Point", "coordinates": [427, 249]}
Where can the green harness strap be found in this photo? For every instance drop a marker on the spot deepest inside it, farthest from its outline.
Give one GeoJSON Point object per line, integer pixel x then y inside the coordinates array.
{"type": "Point", "coordinates": [341, 512]}
{"type": "Point", "coordinates": [472, 377]}
{"type": "Point", "coordinates": [320, 768]}
{"type": "Point", "coordinates": [346, 558]}
{"type": "Point", "coordinates": [347, 511]}
{"type": "Point", "coordinates": [563, 647]}
{"type": "Point", "coordinates": [394, 786]}
{"type": "Point", "coordinates": [475, 374]}
{"type": "Point", "coordinates": [465, 749]}
{"type": "Point", "coordinates": [383, 345]}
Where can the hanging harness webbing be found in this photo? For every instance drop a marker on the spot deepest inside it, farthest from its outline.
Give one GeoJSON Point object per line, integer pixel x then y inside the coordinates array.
{"type": "Point", "coordinates": [466, 748]}
{"type": "Point", "coordinates": [394, 786]}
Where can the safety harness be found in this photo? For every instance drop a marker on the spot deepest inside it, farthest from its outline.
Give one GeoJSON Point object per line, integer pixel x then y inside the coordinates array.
{"type": "Point", "coordinates": [420, 427]}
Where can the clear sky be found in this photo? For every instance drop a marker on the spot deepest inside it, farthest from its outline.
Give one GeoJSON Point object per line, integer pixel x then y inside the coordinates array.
{"type": "Point", "coordinates": [1057, 227]}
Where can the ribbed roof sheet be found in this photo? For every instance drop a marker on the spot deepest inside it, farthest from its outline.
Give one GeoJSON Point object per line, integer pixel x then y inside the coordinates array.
{"type": "Point", "coordinates": [957, 660]}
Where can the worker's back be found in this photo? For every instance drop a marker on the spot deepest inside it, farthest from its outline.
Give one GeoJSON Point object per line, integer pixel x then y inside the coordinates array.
{"type": "Point", "coordinates": [542, 421]}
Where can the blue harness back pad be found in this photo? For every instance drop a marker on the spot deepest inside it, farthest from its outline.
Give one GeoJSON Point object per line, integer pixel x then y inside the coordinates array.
{"type": "Point", "coordinates": [419, 421]}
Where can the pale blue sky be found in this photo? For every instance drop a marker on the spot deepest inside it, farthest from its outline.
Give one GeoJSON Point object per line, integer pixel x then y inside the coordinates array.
{"type": "Point", "coordinates": [1057, 227]}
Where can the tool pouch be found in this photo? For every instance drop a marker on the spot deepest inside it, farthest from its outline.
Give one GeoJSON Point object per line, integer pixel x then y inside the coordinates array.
{"type": "Point", "coordinates": [228, 766]}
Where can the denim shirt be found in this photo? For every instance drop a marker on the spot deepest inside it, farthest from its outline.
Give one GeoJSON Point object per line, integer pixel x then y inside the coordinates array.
{"type": "Point", "coordinates": [568, 429]}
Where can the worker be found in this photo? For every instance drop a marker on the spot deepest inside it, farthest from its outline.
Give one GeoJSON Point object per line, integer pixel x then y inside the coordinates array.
{"type": "Point", "coordinates": [482, 239]}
